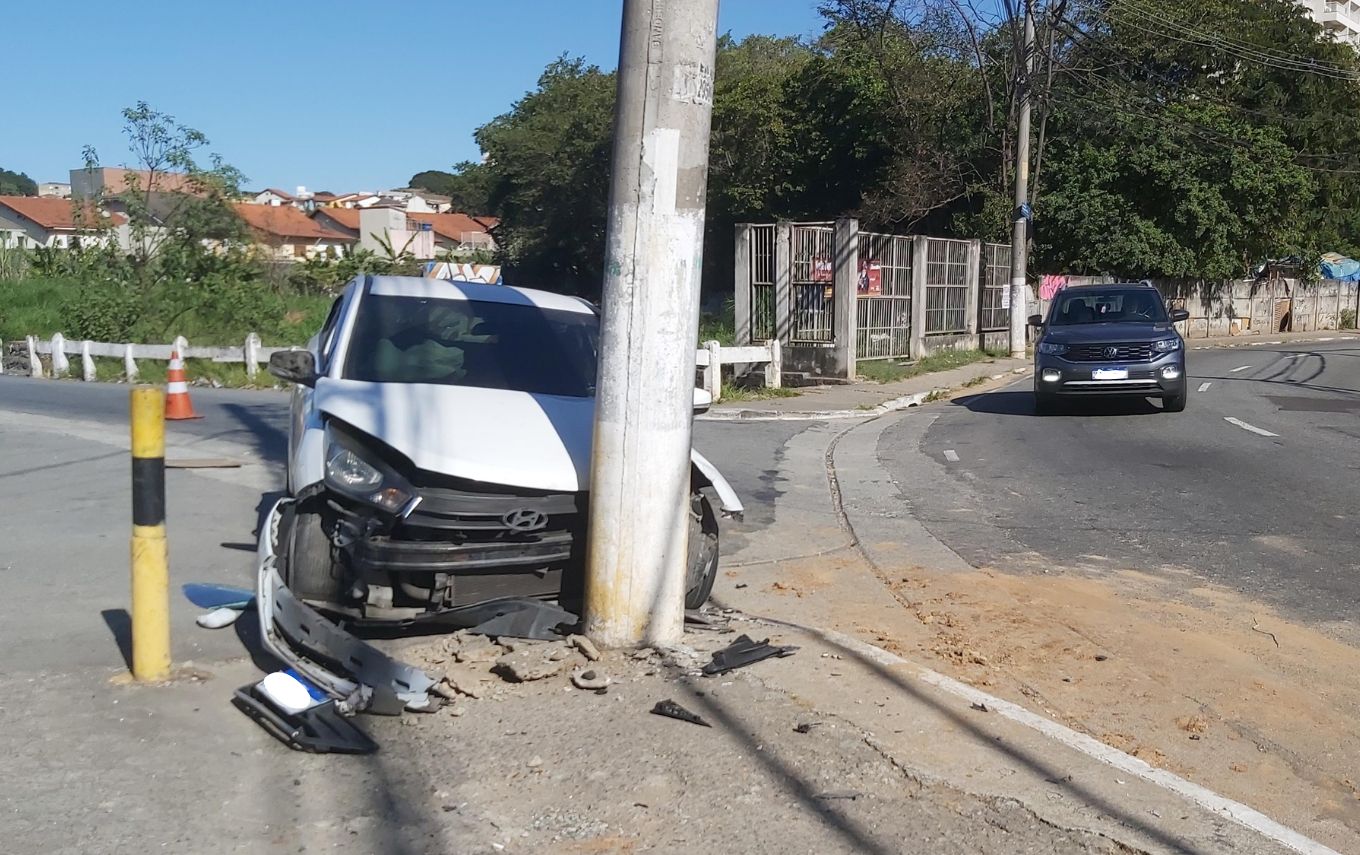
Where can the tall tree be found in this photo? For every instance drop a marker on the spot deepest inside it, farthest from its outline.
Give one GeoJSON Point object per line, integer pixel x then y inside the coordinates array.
{"type": "Point", "coordinates": [16, 184]}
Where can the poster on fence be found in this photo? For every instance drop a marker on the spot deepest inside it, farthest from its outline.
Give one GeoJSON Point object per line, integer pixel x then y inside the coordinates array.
{"type": "Point", "coordinates": [822, 270]}
{"type": "Point", "coordinates": [870, 278]}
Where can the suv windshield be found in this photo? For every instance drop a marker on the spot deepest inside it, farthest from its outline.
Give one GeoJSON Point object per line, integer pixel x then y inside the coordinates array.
{"type": "Point", "coordinates": [1127, 305]}
{"type": "Point", "coordinates": [519, 348]}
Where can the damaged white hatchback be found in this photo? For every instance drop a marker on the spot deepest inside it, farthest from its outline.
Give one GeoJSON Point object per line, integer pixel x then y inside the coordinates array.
{"type": "Point", "coordinates": [439, 458]}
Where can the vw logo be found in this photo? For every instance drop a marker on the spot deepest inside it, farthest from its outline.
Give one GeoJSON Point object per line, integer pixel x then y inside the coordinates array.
{"type": "Point", "coordinates": [1111, 352]}
{"type": "Point", "coordinates": [525, 519]}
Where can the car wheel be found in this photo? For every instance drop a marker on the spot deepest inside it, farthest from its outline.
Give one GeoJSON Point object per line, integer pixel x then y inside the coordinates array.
{"type": "Point", "coordinates": [702, 569]}
{"type": "Point", "coordinates": [309, 569]}
{"type": "Point", "coordinates": [1176, 403]}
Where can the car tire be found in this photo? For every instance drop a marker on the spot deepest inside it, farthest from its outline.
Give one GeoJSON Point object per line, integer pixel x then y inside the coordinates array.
{"type": "Point", "coordinates": [1044, 405]}
{"type": "Point", "coordinates": [1176, 403]}
{"type": "Point", "coordinates": [309, 568]}
{"type": "Point", "coordinates": [701, 571]}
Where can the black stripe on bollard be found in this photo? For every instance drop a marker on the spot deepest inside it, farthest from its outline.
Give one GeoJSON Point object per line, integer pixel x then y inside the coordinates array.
{"type": "Point", "coordinates": [148, 490]}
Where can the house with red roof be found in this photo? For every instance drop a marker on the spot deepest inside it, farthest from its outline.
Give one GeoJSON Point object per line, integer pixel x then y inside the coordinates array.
{"type": "Point", "coordinates": [50, 221]}
{"type": "Point", "coordinates": [289, 234]}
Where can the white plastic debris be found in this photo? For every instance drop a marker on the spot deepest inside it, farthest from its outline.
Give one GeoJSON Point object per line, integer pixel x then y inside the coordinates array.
{"type": "Point", "coordinates": [218, 618]}
{"type": "Point", "coordinates": [287, 692]}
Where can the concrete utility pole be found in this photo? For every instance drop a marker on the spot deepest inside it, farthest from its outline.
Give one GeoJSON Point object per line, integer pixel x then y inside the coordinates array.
{"type": "Point", "coordinates": [1019, 302]}
{"type": "Point", "coordinates": [640, 473]}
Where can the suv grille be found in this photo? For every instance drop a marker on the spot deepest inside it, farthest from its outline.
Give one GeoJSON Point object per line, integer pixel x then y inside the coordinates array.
{"type": "Point", "coordinates": [1110, 353]}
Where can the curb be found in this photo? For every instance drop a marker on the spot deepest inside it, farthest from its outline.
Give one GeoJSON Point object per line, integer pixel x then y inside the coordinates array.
{"type": "Point", "coordinates": [892, 406]}
{"type": "Point", "coordinates": [1340, 335]}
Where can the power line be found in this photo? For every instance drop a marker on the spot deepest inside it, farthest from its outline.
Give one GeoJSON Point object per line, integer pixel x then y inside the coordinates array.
{"type": "Point", "coordinates": [1130, 15]}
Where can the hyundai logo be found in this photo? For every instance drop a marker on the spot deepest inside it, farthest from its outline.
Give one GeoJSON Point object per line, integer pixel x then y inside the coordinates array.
{"type": "Point", "coordinates": [525, 519]}
{"type": "Point", "coordinates": [1111, 352]}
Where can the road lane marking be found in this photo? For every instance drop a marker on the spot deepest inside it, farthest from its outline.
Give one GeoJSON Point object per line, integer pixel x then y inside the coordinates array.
{"type": "Point", "coordinates": [1243, 368]}
{"type": "Point", "coordinates": [1204, 387]}
{"type": "Point", "coordinates": [1244, 426]}
{"type": "Point", "coordinates": [951, 455]}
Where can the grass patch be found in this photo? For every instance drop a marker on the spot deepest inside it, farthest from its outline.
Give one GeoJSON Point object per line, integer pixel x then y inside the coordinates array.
{"type": "Point", "coordinates": [41, 306]}
{"type": "Point", "coordinates": [759, 393]}
{"type": "Point", "coordinates": [890, 372]}
{"type": "Point", "coordinates": [719, 326]}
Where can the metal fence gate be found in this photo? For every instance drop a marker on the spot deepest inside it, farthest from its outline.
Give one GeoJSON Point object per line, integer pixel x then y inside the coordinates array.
{"type": "Point", "coordinates": [812, 284]}
{"type": "Point", "coordinates": [946, 286]}
{"type": "Point", "coordinates": [762, 283]}
{"type": "Point", "coordinates": [996, 279]}
{"type": "Point", "coordinates": [883, 304]}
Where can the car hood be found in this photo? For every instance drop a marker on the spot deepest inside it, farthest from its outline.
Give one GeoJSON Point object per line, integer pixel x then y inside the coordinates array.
{"type": "Point", "coordinates": [1097, 333]}
{"type": "Point", "coordinates": [538, 442]}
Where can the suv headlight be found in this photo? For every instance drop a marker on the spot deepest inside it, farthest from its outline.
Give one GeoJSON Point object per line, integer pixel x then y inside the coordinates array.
{"type": "Point", "coordinates": [1054, 349]}
{"type": "Point", "coordinates": [352, 473]}
{"type": "Point", "coordinates": [1166, 345]}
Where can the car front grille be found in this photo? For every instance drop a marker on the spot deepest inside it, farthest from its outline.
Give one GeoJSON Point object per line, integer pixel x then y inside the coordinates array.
{"type": "Point", "coordinates": [1125, 352]}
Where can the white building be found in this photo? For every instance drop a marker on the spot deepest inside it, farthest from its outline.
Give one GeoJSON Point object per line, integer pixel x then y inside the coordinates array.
{"type": "Point", "coordinates": [1339, 17]}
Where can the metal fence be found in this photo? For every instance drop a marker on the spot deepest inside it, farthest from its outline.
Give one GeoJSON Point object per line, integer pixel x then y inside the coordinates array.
{"type": "Point", "coordinates": [812, 284]}
{"type": "Point", "coordinates": [762, 283]}
{"type": "Point", "coordinates": [996, 278]}
{"type": "Point", "coordinates": [883, 305]}
{"type": "Point", "coordinates": [946, 286]}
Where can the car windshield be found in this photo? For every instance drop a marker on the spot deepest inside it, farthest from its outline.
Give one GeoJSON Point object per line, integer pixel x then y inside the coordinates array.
{"type": "Point", "coordinates": [1108, 307]}
{"type": "Point", "coordinates": [516, 347]}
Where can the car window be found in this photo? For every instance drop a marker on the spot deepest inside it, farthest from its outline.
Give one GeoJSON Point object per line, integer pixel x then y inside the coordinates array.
{"type": "Point", "coordinates": [1103, 307]}
{"type": "Point", "coordinates": [487, 345]}
{"type": "Point", "coordinates": [326, 338]}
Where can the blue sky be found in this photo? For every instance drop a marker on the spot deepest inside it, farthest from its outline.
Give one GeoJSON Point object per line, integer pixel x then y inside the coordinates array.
{"type": "Point", "coordinates": [336, 96]}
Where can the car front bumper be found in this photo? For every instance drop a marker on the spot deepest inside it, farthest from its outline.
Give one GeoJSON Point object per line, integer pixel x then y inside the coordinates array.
{"type": "Point", "coordinates": [1161, 377]}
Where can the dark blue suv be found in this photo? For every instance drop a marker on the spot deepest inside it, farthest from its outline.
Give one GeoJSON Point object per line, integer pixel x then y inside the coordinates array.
{"type": "Point", "coordinates": [1109, 340]}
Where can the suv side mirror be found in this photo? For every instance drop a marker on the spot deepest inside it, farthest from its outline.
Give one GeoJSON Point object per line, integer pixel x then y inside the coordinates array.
{"type": "Point", "coordinates": [1036, 320]}
{"type": "Point", "coordinates": [295, 366]}
{"type": "Point", "coordinates": [1178, 315]}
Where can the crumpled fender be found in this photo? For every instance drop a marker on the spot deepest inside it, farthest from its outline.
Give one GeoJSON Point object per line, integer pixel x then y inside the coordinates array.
{"type": "Point", "coordinates": [707, 475]}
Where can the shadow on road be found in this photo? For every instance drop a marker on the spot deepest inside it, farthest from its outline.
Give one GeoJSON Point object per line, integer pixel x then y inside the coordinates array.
{"type": "Point", "coordinates": [1022, 404]}
{"type": "Point", "coordinates": [119, 623]}
{"type": "Point", "coordinates": [267, 426]}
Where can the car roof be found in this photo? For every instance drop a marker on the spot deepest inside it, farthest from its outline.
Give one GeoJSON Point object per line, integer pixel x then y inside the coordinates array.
{"type": "Point", "coordinates": [1111, 286]}
{"type": "Point", "coordinates": [445, 289]}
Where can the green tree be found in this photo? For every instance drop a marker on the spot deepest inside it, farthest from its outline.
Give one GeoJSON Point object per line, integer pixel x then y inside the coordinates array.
{"type": "Point", "coordinates": [16, 184]}
{"type": "Point", "coordinates": [549, 165]}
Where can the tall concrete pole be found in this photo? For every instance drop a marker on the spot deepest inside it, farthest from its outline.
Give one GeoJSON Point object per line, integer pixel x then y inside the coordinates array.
{"type": "Point", "coordinates": [1019, 239]}
{"type": "Point", "coordinates": [640, 472]}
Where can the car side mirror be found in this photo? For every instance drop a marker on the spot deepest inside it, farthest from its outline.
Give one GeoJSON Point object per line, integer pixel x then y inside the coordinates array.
{"type": "Point", "coordinates": [295, 366]}
{"type": "Point", "coordinates": [1036, 320]}
{"type": "Point", "coordinates": [703, 399]}
{"type": "Point", "coordinates": [1178, 315]}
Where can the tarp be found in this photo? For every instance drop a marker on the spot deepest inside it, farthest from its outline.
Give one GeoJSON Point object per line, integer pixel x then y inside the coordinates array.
{"type": "Point", "coordinates": [1336, 266]}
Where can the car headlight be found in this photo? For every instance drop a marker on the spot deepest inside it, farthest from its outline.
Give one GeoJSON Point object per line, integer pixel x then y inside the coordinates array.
{"type": "Point", "coordinates": [372, 482]}
{"type": "Point", "coordinates": [1049, 347]}
{"type": "Point", "coordinates": [1166, 345]}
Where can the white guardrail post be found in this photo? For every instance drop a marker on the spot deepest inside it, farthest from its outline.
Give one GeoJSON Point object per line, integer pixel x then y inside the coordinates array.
{"type": "Point", "coordinates": [34, 362]}
{"type": "Point", "coordinates": [252, 356]}
{"type": "Point", "coordinates": [129, 364]}
{"type": "Point", "coordinates": [87, 372]}
{"type": "Point", "coordinates": [774, 369]}
{"type": "Point", "coordinates": [713, 370]}
{"type": "Point", "coordinates": [61, 366]}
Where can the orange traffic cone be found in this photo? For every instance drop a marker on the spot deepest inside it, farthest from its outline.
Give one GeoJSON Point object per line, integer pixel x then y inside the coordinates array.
{"type": "Point", "coordinates": [177, 403]}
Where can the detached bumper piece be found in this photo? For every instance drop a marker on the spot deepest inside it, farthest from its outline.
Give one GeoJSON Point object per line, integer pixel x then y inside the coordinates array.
{"type": "Point", "coordinates": [318, 730]}
{"type": "Point", "coordinates": [742, 652]}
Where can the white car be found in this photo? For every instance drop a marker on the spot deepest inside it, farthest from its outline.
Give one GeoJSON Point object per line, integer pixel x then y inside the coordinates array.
{"type": "Point", "coordinates": [439, 454]}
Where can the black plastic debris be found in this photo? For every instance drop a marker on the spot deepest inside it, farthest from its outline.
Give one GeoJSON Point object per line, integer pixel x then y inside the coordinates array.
{"type": "Point", "coordinates": [670, 709]}
{"type": "Point", "coordinates": [806, 727]}
{"type": "Point", "coordinates": [318, 730]}
{"type": "Point", "coordinates": [743, 652]}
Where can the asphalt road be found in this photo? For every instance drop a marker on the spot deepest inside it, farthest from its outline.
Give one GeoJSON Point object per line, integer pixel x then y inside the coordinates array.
{"type": "Point", "coordinates": [1254, 487]}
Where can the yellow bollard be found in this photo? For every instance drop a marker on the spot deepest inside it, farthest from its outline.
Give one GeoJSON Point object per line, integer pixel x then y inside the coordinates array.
{"type": "Point", "coordinates": [150, 558]}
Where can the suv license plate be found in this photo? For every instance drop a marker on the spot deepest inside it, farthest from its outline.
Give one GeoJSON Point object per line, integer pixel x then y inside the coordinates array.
{"type": "Point", "coordinates": [1110, 374]}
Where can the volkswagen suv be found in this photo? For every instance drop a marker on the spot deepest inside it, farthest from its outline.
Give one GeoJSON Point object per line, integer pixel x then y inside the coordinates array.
{"type": "Point", "coordinates": [1109, 340]}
